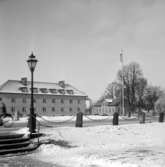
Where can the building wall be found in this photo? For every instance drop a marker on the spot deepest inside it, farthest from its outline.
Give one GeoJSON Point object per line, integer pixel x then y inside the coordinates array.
{"type": "Point", "coordinates": [49, 105]}
{"type": "Point", "coordinates": [104, 110]}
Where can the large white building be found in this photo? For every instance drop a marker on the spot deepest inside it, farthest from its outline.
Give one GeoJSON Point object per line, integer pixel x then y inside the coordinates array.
{"type": "Point", "coordinates": [50, 99]}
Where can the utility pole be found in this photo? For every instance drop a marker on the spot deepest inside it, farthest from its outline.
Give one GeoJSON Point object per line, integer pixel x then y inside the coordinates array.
{"type": "Point", "coordinates": [122, 89]}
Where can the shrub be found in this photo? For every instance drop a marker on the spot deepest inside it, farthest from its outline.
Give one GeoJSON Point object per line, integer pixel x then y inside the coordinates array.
{"type": "Point", "coordinates": [160, 104]}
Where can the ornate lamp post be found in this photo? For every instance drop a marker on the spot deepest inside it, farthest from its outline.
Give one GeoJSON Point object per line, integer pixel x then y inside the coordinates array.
{"type": "Point", "coordinates": [32, 61]}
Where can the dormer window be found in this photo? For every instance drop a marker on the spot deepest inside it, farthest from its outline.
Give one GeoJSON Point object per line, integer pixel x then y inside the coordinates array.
{"type": "Point", "coordinates": [53, 90]}
{"type": "Point", "coordinates": [71, 92]}
{"type": "Point", "coordinates": [35, 90]}
{"type": "Point", "coordinates": [44, 90]}
{"type": "Point", "coordinates": [61, 84]}
{"type": "Point", "coordinates": [23, 89]}
{"type": "Point", "coordinates": [61, 91]}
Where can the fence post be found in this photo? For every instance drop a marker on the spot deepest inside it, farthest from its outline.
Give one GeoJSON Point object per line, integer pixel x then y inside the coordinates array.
{"type": "Point", "coordinates": [115, 118]}
{"type": "Point", "coordinates": [142, 118]}
{"type": "Point", "coordinates": [1, 122]}
{"type": "Point", "coordinates": [79, 119]}
{"type": "Point", "coordinates": [161, 117]}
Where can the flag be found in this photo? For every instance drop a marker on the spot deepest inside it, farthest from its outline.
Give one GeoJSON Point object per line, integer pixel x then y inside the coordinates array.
{"type": "Point", "coordinates": [121, 57]}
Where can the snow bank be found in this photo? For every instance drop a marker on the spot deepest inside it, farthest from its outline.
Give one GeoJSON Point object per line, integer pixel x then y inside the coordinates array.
{"type": "Point", "coordinates": [22, 120]}
{"type": "Point", "coordinates": [137, 145]}
{"type": "Point", "coordinates": [72, 118]}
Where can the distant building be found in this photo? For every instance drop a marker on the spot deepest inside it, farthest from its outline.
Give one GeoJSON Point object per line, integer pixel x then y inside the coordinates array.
{"type": "Point", "coordinates": [50, 99]}
{"type": "Point", "coordinates": [106, 107]}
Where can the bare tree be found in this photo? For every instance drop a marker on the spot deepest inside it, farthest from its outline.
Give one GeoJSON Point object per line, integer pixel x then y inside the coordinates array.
{"type": "Point", "coordinates": [151, 95]}
{"type": "Point", "coordinates": [112, 90]}
{"type": "Point", "coordinates": [132, 75]}
{"type": "Point", "coordinates": [140, 89]}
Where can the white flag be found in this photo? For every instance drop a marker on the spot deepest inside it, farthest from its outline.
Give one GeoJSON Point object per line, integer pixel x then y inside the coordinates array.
{"type": "Point", "coordinates": [121, 57]}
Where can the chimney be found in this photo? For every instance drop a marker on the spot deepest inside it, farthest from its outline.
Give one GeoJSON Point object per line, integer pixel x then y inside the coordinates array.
{"type": "Point", "coordinates": [62, 84]}
{"type": "Point", "coordinates": [24, 81]}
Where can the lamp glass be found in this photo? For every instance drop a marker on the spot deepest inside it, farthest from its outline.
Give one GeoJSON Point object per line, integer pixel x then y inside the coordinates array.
{"type": "Point", "coordinates": [32, 61]}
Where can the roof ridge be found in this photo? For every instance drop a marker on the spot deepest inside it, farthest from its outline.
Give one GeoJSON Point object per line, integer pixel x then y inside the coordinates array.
{"type": "Point", "coordinates": [2, 86]}
{"type": "Point", "coordinates": [77, 90]}
{"type": "Point", "coordinates": [14, 85]}
{"type": "Point", "coordinates": [30, 81]}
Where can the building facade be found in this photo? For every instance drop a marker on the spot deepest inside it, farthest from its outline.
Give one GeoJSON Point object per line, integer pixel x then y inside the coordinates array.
{"type": "Point", "coordinates": [106, 107]}
{"type": "Point", "coordinates": [50, 99]}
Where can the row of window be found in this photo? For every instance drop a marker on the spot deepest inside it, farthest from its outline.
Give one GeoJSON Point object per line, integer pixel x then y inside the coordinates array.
{"type": "Point", "coordinates": [45, 90]}
{"type": "Point", "coordinates": [24, 100]}
{"type": "Point", "coordinates": [24, 109]}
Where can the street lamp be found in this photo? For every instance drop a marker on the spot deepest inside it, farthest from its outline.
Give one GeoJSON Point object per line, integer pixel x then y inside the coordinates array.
{"type": "Point", "coordinates": [32, 61]}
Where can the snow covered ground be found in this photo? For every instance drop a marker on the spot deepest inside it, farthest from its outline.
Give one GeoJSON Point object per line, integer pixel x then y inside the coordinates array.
{"type": "Point", "coordinates": [135, 145]}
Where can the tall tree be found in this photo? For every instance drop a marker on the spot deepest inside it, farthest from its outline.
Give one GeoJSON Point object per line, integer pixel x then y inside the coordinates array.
{"type": "Point", "coordinates": [132, 75]}
{"type": "Point", "coordinates": [112, 91]}
{"type": "Point", "coordinates": [160, 104]}
{"type": "Point", "coordinates": [141, 86]}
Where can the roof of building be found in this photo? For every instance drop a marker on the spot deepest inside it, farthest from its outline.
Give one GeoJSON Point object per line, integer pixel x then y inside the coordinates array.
{"type": "Point", "coordinates": [115, 102]}
{"type": "Point", "coordinates": [24, 87]}
{"type": "Point", "coordinates": [108, 102]}
{"type": "Point", "coordinates": [98, 104]}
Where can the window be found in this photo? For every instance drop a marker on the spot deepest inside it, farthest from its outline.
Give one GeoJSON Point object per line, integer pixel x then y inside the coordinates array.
{"type": "Point", "coordinates": [62, 109]}
{"type": "Point", "coordinates": [62, 101]}
{"type": "Point", "coordinates": [12, 100]}
{"type": "Point", "coordinates": [12, 109]}
{"type": "Point", "coordinates": [61, 91]}
{"type": "Point", "coordinates": [24, 100]}
{"type": "Point", "coordinates": [34, 100]}
{"type": "Point", "coordinates": [53, 100]}
{"type": "Point", "coordinates": [78, 101]}
{"type": "Point", "coordinates": [44, 109]}
{"type": "Point", "coordinates": [44, 100]}
{"type": "Point", "coordinates": [53, 90]}
{"type": "Point", "coordinates": [44, 90]}
{"type": "Point", "coordinates": [35, 90]}
{"type": "Point", "coordinates": [71, 92]}
{"type": "Point", "coordinates": [23, 109]}
{"type": "Point", "coordinates": [23, 89]}
{"type": "Point", "coordinates": [70, 109]}
{"type": "Point", "coordinates": [53, 109]}
{"type": "Point", "coordinates": [70, 101]}
{"type": "Point", "coordinates": [78, 109]}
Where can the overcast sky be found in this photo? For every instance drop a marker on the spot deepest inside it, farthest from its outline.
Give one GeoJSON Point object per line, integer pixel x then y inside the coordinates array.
{"type": "Point", "coordinates": [79, 41]}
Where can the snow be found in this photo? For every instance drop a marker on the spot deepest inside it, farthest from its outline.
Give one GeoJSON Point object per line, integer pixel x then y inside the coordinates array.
{"type": "Point", "coordinates": [22, 131]}
{"type": "Point", "coordinates": [135, 145]}
{"type": "Point", "coordinates": [72, 118]}
{"type": "Point", "coordinates": [7, 121]}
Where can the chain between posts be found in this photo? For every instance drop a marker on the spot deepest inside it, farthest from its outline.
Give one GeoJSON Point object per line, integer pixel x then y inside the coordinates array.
{"type": "Point", "coordinates": [97, 119]}
{"type": "Point", "coordinates": [68, 120]}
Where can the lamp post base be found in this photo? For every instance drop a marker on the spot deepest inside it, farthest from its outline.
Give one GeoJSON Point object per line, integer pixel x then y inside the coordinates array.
{"type": "Point", "coordinates": [32, 124]}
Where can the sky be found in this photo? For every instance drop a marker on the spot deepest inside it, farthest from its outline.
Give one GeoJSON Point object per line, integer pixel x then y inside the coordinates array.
{"type": "Point", "coordinates": [80, 41]}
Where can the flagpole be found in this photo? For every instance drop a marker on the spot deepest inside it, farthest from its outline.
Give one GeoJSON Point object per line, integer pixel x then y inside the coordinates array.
{"type": "Point", "coordinates": [122, 65]}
